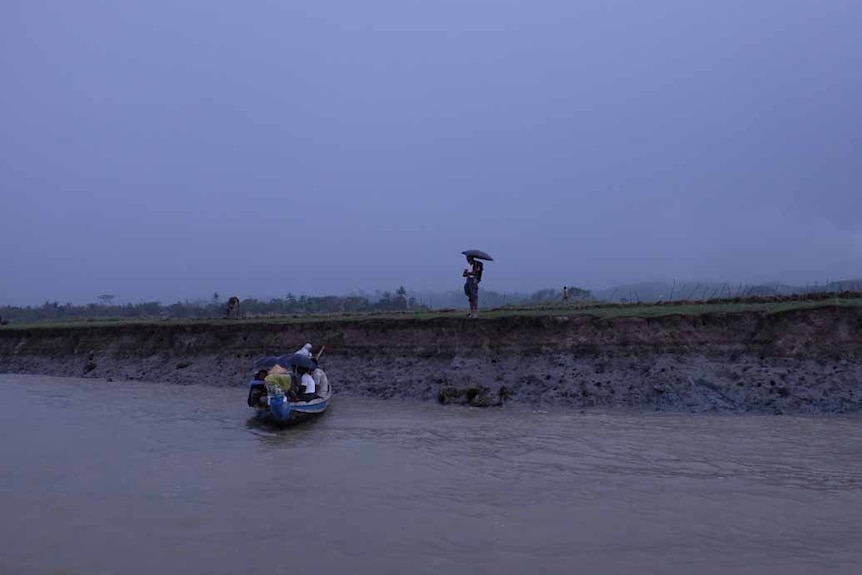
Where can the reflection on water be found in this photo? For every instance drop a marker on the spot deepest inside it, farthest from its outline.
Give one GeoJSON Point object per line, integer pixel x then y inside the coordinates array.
{"type": "Point", "coordinates": [140, 478]}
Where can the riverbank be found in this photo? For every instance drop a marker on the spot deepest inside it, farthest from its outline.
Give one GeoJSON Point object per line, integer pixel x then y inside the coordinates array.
{"type": "Point", "coordinates": [799, 360]}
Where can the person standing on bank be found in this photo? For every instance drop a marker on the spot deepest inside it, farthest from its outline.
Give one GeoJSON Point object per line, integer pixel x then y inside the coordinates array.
{"type": "Point", "coordinates": [471, 286]}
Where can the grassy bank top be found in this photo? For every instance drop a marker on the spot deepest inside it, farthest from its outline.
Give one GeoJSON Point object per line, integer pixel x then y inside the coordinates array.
{"type": "Point", "coordinates": [561, 309]}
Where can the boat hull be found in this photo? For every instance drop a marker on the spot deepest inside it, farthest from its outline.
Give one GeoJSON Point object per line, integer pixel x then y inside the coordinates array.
{"type": "Point", "coordinates": [282, 411]}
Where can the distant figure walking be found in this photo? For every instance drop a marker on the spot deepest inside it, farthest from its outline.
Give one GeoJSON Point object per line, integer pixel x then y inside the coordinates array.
{"type": "Point", "coordinates": [471, 285]}
{"type": "Point", "coordinates": [232, 308]}
{"type": "Point", "coordinates": [565, 293]}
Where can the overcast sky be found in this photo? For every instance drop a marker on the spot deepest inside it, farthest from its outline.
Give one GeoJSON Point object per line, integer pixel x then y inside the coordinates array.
{"type": "Point", "coordinates": [171, 149]}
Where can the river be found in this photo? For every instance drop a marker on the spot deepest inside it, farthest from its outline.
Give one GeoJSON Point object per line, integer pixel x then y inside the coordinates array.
{"type": "Point", "coordinates": [138, 478]}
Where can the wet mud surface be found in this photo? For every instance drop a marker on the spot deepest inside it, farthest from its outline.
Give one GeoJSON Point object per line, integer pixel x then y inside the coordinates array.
{"type": "Point", "coordinates": [798, 361]}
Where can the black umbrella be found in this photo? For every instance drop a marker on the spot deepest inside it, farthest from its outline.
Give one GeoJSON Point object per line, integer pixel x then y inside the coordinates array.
{"type": "Point", "coordinates": [478, 254]}
{"type": "Point", "coordinates": [266, 362]}
{"type": "Point", "coordinates": [296, 360]}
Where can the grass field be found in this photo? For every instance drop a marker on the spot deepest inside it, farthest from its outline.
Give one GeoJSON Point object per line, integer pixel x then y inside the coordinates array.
{"type": "Point", "coordinates": [596, 309]}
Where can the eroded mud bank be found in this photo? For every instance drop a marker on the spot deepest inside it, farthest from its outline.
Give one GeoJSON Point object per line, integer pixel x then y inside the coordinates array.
{"type": "Point", "coordinates": [800, 361]}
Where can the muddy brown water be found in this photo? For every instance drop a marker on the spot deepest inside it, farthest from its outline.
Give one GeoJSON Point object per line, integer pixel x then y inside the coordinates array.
{"type": "Point", "coordinates": [136, 478]}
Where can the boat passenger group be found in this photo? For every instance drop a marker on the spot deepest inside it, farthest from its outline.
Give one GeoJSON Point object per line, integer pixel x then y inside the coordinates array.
{"type": "Point", "coordinates": [298, 377]}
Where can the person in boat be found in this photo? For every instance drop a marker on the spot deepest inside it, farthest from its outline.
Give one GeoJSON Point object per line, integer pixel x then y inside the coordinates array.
{"type": "Point", "coordinates": [308, 385]}
{"type": "Point", "coordinates": [257, 396]}
{"type": "Point", "coordinates": [305, 350]}
{"type": "Point", "coordinates": [322, 382]}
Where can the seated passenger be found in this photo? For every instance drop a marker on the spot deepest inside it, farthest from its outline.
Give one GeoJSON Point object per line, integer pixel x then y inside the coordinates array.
{"type": "Point", "coordinates": [309, 385]}
{"type": "Point", "coordinates": [257, 395]}
{"type": "Point", "coordinates": [322, 382]}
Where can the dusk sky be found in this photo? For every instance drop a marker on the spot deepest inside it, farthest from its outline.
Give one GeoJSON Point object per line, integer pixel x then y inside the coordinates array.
{"type": "Point", "coordinates": [168, 150]}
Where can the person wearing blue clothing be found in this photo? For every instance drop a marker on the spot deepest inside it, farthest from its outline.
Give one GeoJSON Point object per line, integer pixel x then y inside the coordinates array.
{"type": "Point", "coordinates": [257, 396]}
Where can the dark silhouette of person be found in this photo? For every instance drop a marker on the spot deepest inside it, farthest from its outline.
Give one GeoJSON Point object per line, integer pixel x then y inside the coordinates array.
{"type": "Point", "coordinates": [471, 285]}
{"type": "Point", "coordinates": [232, 311]}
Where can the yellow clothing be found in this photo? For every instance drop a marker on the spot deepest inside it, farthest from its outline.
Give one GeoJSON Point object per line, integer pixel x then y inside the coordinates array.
{"type": "Point", "coordinates": [280, 379]}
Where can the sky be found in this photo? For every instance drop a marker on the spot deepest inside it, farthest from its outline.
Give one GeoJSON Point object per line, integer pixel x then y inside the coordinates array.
{"type": "Point", "coordinates": [167, 150]}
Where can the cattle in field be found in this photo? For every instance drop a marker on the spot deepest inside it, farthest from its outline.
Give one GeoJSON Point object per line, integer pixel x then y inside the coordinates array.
{"type": "Point", "coordinates": [232, 311]}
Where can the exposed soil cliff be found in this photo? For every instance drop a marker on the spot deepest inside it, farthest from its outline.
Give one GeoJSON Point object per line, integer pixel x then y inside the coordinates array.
{"type": "Point", "coordinates": [807, 360]}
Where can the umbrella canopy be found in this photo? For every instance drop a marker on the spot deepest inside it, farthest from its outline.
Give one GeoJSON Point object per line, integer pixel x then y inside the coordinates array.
{"type": "Point", "coordinates": [478, 254]}
{"type": "Point", "coordinates": [296, 360]}
{"type": "Point", "coordinates": [266, 362]}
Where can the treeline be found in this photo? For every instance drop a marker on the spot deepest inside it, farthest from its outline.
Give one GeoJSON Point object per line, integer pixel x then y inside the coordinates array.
{"type": "Point", "coordinates": [399, 300]}
{"type": "Point", "coordinates": [666, 292]}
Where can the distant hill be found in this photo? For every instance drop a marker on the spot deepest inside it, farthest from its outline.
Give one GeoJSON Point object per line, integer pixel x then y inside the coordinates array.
{"type": "Point", "coordinates": [843, 285]}
{"type": "Point", "coordinates": [662, 291]}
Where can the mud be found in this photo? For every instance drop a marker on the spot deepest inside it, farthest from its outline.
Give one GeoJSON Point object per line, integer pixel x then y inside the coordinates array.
{"type": "Point", "coordinates": [798, 361]}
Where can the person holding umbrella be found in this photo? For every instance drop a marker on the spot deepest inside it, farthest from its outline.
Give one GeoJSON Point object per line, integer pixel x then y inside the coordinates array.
{"type": "Point", "coordinates": [474, 275]}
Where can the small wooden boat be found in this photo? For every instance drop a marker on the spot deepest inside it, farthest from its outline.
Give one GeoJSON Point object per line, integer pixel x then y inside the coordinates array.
{"type": "Point", "coordinates": [283, 410]}
{"type": "Point", "coordinates": [275, 400]}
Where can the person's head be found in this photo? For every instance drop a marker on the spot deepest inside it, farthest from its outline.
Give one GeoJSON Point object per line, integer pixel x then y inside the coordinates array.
{"type": "Point", "coordinates": [261, 375]}
{"type": "Point", "coordinates": [470, 259]}
{"type": "Point", "coordinates": [307, 347]}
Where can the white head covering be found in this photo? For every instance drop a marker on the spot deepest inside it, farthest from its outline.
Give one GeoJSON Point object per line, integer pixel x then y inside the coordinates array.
{"type": "Point", "coordinates": [306, 350]}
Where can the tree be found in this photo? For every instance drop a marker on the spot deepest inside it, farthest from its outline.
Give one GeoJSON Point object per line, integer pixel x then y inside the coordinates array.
{"type": "Point", "coordinates": [106, 299]}
{"type": "Point", "coordinates": [400, 301]}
